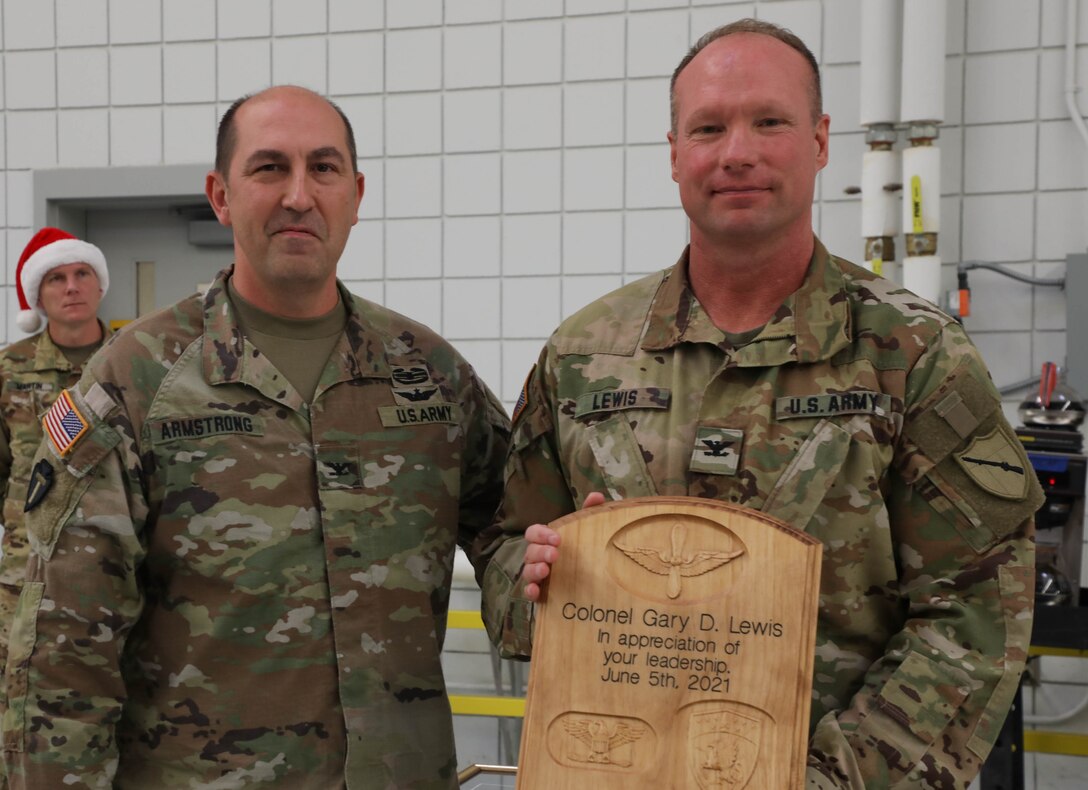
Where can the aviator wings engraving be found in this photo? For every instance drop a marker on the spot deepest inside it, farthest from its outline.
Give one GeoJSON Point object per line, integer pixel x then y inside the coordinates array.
{"type": "Point", "coordinates": [674, 563]}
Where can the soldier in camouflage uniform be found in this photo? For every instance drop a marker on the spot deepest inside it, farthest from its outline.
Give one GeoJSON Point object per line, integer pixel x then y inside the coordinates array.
{"type": "Point", "coordinates": [60, 281]}
{"type": "Point", "coordinates": [818, 393]}
{"type": "Point", "coordinates": [233, 584]}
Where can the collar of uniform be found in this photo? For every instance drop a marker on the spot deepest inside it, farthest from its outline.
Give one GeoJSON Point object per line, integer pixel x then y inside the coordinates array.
{"type": "Point", "coordinates": [226, 359]}
{"type": "Point", "coordinates": [812, 324]}
{"type": "Point", "coordinates": [48, 356]}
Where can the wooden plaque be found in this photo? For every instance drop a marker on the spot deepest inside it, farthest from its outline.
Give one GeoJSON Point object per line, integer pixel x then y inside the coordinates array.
{"type": "Point", "coordinates": [674, 650]}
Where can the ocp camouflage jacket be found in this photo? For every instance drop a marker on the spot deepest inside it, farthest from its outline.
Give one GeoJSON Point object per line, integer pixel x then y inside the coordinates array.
{"type": "Point", "coordinates": [230, 587]}
{"type": "Point", "coordinates": [860, 413]}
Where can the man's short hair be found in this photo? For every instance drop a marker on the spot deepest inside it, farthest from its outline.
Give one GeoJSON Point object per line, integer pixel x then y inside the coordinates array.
{"type": "Point", "coordinates": [227, 136]}
{"type": "Point", "coordinates": [751, 26]}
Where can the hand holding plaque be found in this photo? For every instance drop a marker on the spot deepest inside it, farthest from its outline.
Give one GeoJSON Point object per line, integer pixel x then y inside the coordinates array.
{"type": "Point", "coordinates": [674, 650]}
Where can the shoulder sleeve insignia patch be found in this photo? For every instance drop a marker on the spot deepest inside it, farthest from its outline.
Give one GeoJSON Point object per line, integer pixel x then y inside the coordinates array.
{"type": "Point", "coordinates": [63, 424]}
{"type": "Point", "coordinates": [523, 398]}
{"type": "Point", "coordinates": [41, 480]}
{"type": "Point", "coordinates": [993, 463]}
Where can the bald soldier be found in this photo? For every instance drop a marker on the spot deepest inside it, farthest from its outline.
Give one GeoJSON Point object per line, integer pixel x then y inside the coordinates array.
{"type": "Point", "coordinates": [763, 371]}
{"type": "Point", "coordinates": [244, 532]}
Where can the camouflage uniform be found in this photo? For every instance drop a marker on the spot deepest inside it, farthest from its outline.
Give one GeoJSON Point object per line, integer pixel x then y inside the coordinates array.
{"type": "Point", "coordinates": [859, 413]}
{"type": "Point", "coordinates": [230, 587]}
{"type": "Point", "coordinates": [32, 374]}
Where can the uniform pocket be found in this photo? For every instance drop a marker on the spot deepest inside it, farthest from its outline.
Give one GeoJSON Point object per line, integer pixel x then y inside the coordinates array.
{"type": "Point", "coordinates": [24, 634]}
{"type": "Point", "coordinates": [803, 485]}
{"type": "Point", "coordinates": [912, 709]}
{"type": "Point", "coordinates": [619, 456]}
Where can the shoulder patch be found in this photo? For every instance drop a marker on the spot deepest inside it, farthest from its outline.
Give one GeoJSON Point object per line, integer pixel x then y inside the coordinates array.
{"type": "Point", "coordinates": [41, 480]}
{"type": "Point", "coordinates": [523, 398]}
{"type": "Point", "coordinates": [993, 463]}
{"type": "Point", "coordinates": [63, 424]}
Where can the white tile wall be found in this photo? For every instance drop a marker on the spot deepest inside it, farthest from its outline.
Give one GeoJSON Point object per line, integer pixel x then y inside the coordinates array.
{"type": "Point", "coordinates": [413, 60]}
{"type": "Point", "coordinates": [413, 187]}
{"type": "Point", "coordinates": [28, 25]}
{"type": "Point", "coordinates": [594, 48]}
{"type": "Point", "coordinates": [356, 63]}
{"type": "Point", "coordinates": [413, 124]}
{"type": "Point", "coordinates": [593, 178]}
{"type": "Point", "coordinates": [136, 75]}
{"type": "Point", "coordinates": [532, 52]}
{"type": "Point", "coordinates": [472, 184]}
{"type": "Point", "coordinates": [532, 117]}
{"type": "Point", "coordinates": [652, 41]}
{"type": "Point", "coordinates": [647, 110]}
{"type": "Point", "coordinates": [531, 181]}
{"type": "Point", "coordinates": [83, 138]}
{"type": "Point", "coordinates": [32, 139]}
{"type": "Point", "coordinates": [1000, 87]}
{"type": "Point", "coordinates": [244, 67]}
{"type": "Point", "coordinates": [593, 242]}
{"type": "Point", "coordinates": [30, 79]}
{"type": "Point", "coordinates": [593, 113]}
{"type": "Point", "coordinates": [531, 244]}
{"type": "Point", "coordinates": [356, 14]}
{"type": "Point", "coordinates": [189, 72]}
{"type": "Point", "coordinates": [367, 121]}
{"type": "Point", "coordinates": [983, 146]}
{"type": "Point", "coordinates": [81, 23]}
{"type": "Point", "coordinates": [472, 120]}
{"type": "Point", "coordinates": [182, 20]}
{"type": "Point", "coordinates": [473, 56]}
{"type": "Point", "coordinates": [463, 11]}
{"type": "Point", "coordinates": [300, 61]}
{"type": "Point", "coordinates": [471, 308]}
{"type": "Point", "coordinates": [136, 136]}
{"type": "Point", "coordinates": [244, 19]}
{"type": "Point", "coordinates": [292, 18]}
{"type": "Point", "coordinates": [187, 129]}
{"type": "Point", "coordinates": [515, 152]}
{"type": "Point", "coordinates": [472, 247]}
{"type": "Point", "coordinates": [413, 248]}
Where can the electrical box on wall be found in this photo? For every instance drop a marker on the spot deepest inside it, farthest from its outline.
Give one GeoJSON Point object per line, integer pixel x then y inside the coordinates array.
{"type": "Point", "coordinates": [1076, 322]}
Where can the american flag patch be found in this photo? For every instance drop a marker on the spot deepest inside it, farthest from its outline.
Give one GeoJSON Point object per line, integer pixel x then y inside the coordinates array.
{"type": "Point", "coordinates": [63, 423]}
{"type": "Point", "coordinates": [523, 398]}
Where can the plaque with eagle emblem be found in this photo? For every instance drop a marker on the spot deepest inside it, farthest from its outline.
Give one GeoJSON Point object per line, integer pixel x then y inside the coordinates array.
{"type": "Point", "coordinates": [673, 649]}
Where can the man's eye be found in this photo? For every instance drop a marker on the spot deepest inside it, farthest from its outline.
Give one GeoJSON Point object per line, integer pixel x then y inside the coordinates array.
{"type": "Point", "coordinates": [771, 122]}
{"type": "Point", "coordinates": [324, 167]}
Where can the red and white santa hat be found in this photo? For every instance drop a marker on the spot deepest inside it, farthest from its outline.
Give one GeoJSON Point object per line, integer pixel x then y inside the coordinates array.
{"type": "Point", "coordinates": [50, 248]}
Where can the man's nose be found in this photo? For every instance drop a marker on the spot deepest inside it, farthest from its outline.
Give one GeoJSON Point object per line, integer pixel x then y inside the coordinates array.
{"type": "Point", "coordinates": [738, 148]}
{"type": "Point", "coordinates": [299, 194]}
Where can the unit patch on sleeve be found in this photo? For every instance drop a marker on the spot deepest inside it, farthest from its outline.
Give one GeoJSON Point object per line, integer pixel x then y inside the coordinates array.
{"type": "Point", "coordinates": [993, 463]}
{"type": "Point", "coordinates": [716, 450]}
{"type": "Point", "coordinates": [63, 423]}
{"type": "Point", "coordinates": [831, 404]}
{"type": "Point", "coordinates": [41, 480]}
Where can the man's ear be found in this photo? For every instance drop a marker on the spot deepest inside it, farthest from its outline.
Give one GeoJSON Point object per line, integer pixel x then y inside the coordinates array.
{"type": "Point", "coordinates": [215, 187]}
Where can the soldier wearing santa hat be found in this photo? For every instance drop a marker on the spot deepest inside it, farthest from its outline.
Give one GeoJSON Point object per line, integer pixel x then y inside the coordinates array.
{"type": "Point", "coordinates": [60, 282]}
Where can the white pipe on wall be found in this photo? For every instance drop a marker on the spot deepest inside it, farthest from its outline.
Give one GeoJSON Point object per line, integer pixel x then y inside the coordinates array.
{"type": "Point", "coordinates": [922, 109]}
{"type": "Point", "coordinates": [922, 97]}
{"type": "Point", "coordinates": [1071, 87]}
{"type": "Point", "coordinates": [880, 61]}
{"type": "Point", "coordinates": [922, 275]}
{"type": "Point", "coordinates": [879, 207]}
{"type": "Point", "coordinates": [922, 189]}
